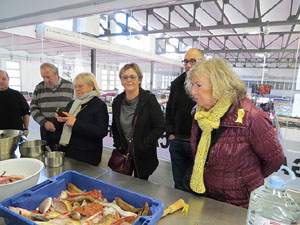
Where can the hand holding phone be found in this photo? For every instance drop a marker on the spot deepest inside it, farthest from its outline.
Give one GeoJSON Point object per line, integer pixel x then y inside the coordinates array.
{"type": "Point", "coordinates": [59, 111]}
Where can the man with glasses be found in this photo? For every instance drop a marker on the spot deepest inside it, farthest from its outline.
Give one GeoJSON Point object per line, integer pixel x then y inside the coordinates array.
{"type": "Point", "coordinates": [179, 121]}
{"type": "Point", "coordinates": [49, 94]}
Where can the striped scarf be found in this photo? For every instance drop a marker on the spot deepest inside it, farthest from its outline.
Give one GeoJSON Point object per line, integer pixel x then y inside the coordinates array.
{"type": "Point", "coordinates": [207, 121]}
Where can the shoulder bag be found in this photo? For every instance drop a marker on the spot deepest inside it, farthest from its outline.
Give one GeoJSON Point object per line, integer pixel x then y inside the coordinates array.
{"type": "Point", "coordinates": [119, 162]}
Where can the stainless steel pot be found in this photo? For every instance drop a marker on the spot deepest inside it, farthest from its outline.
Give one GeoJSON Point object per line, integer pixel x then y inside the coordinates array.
{"type": "Point", "coordinates": [52, 172]}
{"type": "Point", "coordinates": [9, 140]}
{"type": "Point", "coordinates": [54, 159]}
{"type": "Point", "coordinates": [33, 148]}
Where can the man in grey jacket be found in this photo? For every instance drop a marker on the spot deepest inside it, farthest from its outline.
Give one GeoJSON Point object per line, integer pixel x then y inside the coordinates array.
{"type": "Point", "coordinates": [49, 94]}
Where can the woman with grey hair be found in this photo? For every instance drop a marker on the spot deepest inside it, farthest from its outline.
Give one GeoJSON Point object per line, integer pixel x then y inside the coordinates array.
{"type": "Point", "coordinates": [85, 122]}
{"type": "Point", "coordinates": [136, 102]}
{"type": "Point", "coordinates": [234, 143]}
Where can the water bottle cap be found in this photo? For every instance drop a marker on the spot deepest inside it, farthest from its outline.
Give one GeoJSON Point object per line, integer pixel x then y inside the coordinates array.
{"type": "Point", "coordinates": [276, 182]}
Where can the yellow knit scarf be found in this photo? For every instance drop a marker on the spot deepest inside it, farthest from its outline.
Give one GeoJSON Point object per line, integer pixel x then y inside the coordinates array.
{"type": "Point", "coordinates": [207, 121]}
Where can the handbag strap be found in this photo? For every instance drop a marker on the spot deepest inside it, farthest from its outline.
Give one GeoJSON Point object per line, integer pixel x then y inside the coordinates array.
{"type": "Point", "coordinates": [131, 134]}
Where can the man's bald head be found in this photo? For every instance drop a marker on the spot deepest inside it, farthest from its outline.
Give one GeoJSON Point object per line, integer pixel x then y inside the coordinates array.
{"type": "Point", "coordinates": [3, 80]}
{"type": "Point", "coordinates": [3, 71]}
{"type": "Point", "coordinates": [191, 57]}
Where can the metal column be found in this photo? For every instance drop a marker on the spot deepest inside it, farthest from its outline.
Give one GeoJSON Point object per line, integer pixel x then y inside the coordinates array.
{"type": "Point", "coordinates": [151, 75]}
{"type": "Point", "coordinates": [93, 61]}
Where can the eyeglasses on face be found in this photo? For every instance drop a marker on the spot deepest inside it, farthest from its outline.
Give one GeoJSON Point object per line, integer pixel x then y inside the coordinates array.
{"type": "Point", "coordinates": [191, 61]}
{"type": "Point", "coordinates": [131, 77]}
{"type": "Point", "coordinates": [79, 86]}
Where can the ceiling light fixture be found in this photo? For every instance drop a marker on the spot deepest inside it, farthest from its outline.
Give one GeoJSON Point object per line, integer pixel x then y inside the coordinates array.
{"type": "Point", "coordinates": [260, 55]}
{"type": "Point", "coordinates": [267, 28]}
{"type": "Point", "coordinates": [59, 53]}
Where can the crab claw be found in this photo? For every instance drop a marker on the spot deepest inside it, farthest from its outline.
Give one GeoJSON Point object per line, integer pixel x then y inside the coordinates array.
{"type": "Point", "coordinates": [45, 205]}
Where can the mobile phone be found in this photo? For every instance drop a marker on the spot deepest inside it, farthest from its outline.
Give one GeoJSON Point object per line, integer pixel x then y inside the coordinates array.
{"type": "Point", "coordinates": [59, 111]}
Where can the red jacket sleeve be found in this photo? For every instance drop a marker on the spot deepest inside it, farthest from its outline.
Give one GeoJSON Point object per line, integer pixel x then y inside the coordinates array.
{"type": "Point", "coordinates": [265, 143]}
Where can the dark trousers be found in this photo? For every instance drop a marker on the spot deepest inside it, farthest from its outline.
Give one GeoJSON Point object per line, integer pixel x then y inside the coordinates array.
{"type": "Point", "coordinates": [52, 138]}
{"type": "Point", "coordinates": [182, 160]}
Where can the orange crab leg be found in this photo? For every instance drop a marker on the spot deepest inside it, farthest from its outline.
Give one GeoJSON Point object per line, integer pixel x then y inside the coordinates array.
{"type": "Point", "coordinates": [124, 219]}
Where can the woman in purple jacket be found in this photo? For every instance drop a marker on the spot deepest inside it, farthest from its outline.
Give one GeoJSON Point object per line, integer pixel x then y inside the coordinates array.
{"type": "Point", "coordinates": [234, 143]}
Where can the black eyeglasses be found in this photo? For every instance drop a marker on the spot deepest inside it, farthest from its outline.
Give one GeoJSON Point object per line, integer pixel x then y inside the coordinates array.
{"type": "Point", "coordinates": [131, 77]}
{"type": "Point", "coordinates": [191, 61]}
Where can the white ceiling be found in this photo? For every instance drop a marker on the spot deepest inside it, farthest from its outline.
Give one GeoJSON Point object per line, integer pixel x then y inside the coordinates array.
{"type": "Point", "coordinates": [15, 13]}
{"type": "Point", "coordinates": [35, 48]}
{"type": "Point", "coordinates": [232, 29]}
{"type": "Point", "coordinates": [236, 30]}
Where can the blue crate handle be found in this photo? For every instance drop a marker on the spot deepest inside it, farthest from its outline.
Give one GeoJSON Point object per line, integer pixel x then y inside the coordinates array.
{"type": "Point", "coordinates": [40, 186]}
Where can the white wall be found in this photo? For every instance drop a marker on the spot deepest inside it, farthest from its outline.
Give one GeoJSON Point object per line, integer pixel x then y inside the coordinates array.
{"type": "Point", "coordinates": [30, 75]}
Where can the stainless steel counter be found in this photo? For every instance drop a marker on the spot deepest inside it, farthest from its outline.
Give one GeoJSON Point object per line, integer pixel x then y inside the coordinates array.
{"type": "Point", "coordinates": [71, 164]}
{"type": "Point", "coordinates": [201, 210]}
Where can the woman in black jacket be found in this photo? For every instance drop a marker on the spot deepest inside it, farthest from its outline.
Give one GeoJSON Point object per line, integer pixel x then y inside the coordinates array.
{"type": "Point", "coordinates": [85, 123]}
{"type": "Point", "coordinates": [135, 101]}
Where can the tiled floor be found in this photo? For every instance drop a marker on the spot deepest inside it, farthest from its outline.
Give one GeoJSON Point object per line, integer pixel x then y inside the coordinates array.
{"type": "Point", "coordinates": [162, 175]}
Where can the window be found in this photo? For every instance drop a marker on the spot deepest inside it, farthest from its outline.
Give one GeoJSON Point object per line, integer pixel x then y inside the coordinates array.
{"type": "Point", "coordinates": [14, 72]}
{"type": "Point", "coordinates": [104, 85]}
{"type": "Point", "coordinates": [279, 86]}
{"type": "Point", "coordinates": [287, 86]}
{"type": "Point", "coordinates": [62, 24]}
{"type": "Point", "coordinates": [104, 82]}
{"type": "Point", "coordinates": [154, 81]}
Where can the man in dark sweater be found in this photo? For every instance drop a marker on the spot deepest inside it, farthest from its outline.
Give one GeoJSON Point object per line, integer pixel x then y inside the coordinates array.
{"type": "Point", "coordinates": [14, 110]}
{"type": "Point", "coordinates": [179, 121]}
{"type": "Point", "coordinates": [49, 94]}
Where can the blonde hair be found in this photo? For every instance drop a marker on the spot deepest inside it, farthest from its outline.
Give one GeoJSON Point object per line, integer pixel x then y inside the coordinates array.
{"type": "Point", "coordinates": [223, 80]}
{"type": "Point", "coordinates": [88, 78]}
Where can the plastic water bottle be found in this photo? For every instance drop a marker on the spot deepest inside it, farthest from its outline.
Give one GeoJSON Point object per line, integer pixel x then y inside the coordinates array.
{"type": "Point", "coordinates": [271, 204]}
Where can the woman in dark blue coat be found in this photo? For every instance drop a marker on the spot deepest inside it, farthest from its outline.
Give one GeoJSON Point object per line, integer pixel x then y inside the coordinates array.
{"type": "Point", "coordinates": [85, 122]}
{"type": "Point", "coordinates": [135, 101]}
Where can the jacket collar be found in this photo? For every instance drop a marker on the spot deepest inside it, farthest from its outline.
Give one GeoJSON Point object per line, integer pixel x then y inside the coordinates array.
{"type": "Point", "coordinates": [180, 80]}
{"type": "Point", "coordinates": [230, 117]}
{"type": "Point", "coordinates": [143, 96]}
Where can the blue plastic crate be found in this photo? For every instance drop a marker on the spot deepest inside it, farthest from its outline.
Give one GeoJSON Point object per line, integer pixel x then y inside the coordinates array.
{"type": "Point", "coordinates": [31, 198]}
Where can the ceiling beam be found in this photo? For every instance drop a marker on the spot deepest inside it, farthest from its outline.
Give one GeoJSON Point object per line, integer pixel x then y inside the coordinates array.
{"type": "Point", "coordinates": [207, 28]}
{"type": "Point", "coordinates": [226, 35]}
{"type": "Point", "coordinates": [37, 11]}
{"type": "Point", "coordinates": [248, 51]}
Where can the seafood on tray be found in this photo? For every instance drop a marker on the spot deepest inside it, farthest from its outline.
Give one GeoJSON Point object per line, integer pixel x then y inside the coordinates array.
{"type": "Point", "coordinates": [9, 179]}
{"type": "Point", "coordinates": [74, 206]}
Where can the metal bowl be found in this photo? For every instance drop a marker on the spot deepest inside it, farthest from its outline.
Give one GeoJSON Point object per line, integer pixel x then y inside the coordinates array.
{"type": "Point", "coordinates": [32, 148]}
{"type": "Point", "coordinates": [54, 159]}
{"type": "Point", "coordinates": [9, 140]}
